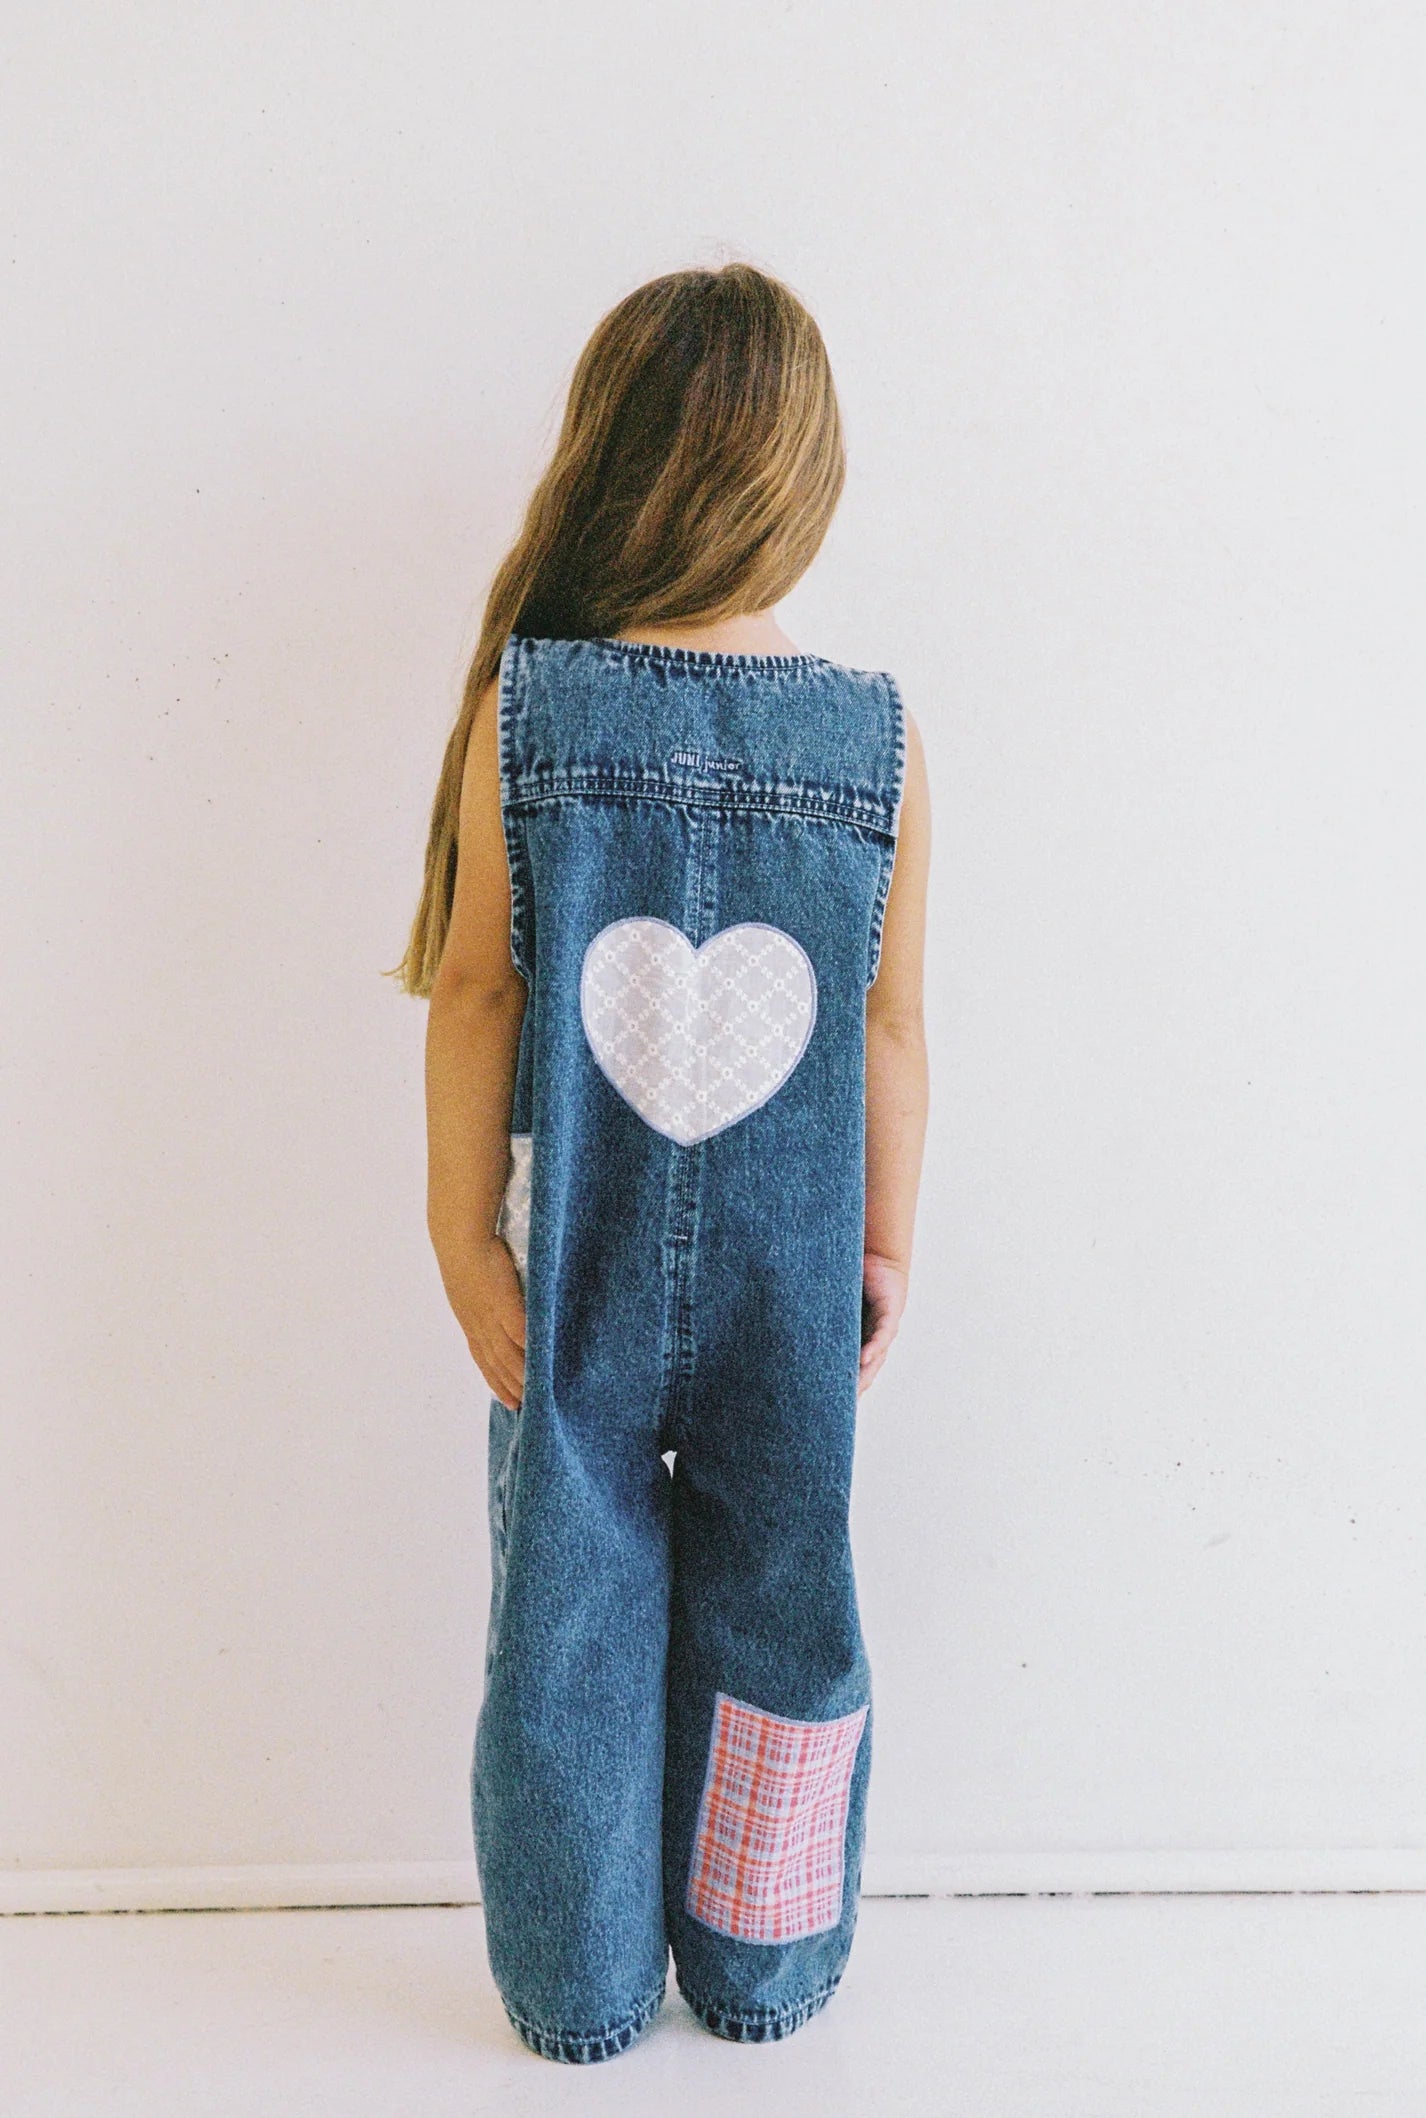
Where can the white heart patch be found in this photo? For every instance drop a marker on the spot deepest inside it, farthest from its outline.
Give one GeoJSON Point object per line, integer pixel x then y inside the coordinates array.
{"type": "Point", "coordinates": [695, 1039]}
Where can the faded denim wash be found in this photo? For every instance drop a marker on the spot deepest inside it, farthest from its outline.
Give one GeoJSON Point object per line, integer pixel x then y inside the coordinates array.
{"type": "Point", "coordinates": [675, 1738]}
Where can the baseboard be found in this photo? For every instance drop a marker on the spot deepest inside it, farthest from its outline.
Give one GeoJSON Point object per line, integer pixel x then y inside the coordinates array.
{"type": "Point", "coordinates": [252, 1888]}
{"type": "Point", "coordinates": [1171, 1869]}
{"type": "Point", "coordinates": [1013, 1874]}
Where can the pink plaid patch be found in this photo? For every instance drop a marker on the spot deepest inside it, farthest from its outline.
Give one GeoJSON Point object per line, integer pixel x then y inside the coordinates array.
{"type": "Point", "coordinates": [768, 1850]}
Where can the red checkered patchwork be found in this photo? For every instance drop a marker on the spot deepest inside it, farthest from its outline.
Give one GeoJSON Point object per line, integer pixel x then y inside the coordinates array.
{"type": "Point", "coordinates": [768, 1849]}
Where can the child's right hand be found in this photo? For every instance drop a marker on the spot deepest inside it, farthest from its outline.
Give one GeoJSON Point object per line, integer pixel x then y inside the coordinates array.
{"type": "Point", "coordinates": [884, 1285]}
{"type": "Point", "coordinates": [484, 1290]}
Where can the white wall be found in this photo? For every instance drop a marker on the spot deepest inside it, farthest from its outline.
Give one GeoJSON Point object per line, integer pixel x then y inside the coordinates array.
{"type": "Point", "coordinates": [1123, 304]}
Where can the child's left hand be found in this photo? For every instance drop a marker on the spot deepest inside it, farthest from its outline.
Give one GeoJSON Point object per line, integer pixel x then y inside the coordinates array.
{"type": "Point", "coordinates": [884, 1287]}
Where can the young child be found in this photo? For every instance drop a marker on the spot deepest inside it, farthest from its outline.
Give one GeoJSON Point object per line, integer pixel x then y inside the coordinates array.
{"type": "Point", "coordinates": [676, 1088]}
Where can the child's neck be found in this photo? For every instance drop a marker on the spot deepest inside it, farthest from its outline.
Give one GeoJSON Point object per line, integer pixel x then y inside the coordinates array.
{"type": "Point", "coordinates": [754, 632]}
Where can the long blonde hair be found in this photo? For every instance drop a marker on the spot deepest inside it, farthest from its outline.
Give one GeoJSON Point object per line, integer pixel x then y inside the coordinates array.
{"type": "Point", "coordinates": [698, 466]}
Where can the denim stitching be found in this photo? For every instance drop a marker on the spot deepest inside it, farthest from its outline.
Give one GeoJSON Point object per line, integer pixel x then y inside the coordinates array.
{"type": "Point", "coordinates": [505, 738]}
{"type": "Point", "coordinates": [597, 783]}
{"type": "Point", "coordinates": [715, 661]}
{"type": "Point", "coordinates": [898, 729]}
{"type": "Point", "coordinates": [898, 789]}
{"type": "Point", "coordinates": [583, 2045]}
{"type": "Point", "coordinates": [762, 2024]}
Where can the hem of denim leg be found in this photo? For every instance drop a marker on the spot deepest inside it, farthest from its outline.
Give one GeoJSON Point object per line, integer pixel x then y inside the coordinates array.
{"type": "Point", "coordinates": [758, 2025]}
{"type": "Point", "coordinates": [579, 2047]}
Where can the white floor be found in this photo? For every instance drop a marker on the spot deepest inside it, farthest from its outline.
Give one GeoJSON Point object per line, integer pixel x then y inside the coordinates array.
{"type": "Point", "coordinates": [1112, 2007]}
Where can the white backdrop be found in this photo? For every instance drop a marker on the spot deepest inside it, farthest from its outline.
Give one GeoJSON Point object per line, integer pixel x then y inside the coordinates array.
{"type": "Point", "coordinates": [1123, 305]}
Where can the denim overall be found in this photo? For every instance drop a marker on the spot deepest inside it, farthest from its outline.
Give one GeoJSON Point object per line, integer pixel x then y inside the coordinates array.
{"type": "Point", "coordinates": [674, 1741]}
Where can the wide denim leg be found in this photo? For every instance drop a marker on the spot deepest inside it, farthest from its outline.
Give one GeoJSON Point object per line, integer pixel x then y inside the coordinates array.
{"type": "Point", "coordinates": [768, 1641]}
{"type": "Point", "coordinates": [567, 1778]}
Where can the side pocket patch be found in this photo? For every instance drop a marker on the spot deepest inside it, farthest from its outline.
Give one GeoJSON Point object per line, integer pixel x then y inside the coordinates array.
{"type": "Point", "coordinates": [769, 1848]}
{"type": "Point", "coordinates": [513, 1225]}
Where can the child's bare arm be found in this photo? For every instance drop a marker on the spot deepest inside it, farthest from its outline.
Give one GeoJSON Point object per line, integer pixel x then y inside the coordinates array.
{"type": "Point", "coordinates": [477, 1005]}
{"type": "Point", "coordinates": [896, 1074]}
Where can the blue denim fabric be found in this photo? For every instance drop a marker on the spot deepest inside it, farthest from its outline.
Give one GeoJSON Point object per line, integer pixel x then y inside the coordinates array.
{"type": "Point", "coordinates": [694, 1295]}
